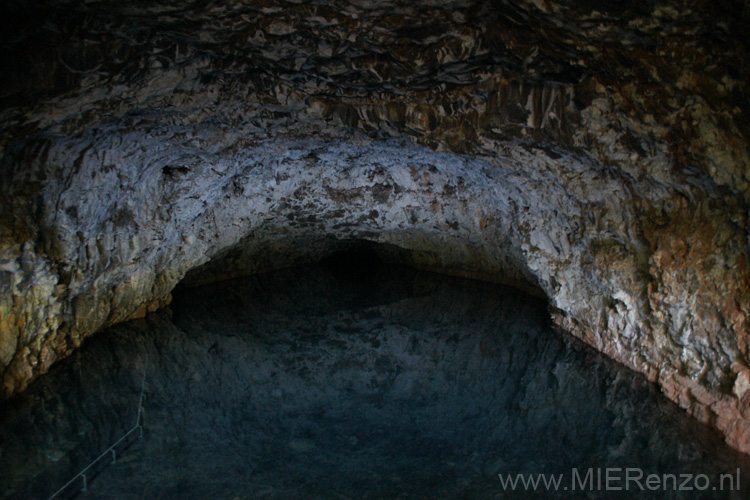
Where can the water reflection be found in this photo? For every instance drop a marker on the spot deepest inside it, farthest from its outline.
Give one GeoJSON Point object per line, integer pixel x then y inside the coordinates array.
{"type": "Point", "coordinates": [331, 383]}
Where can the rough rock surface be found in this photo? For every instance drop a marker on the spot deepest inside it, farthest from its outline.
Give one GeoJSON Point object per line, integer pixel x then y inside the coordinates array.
{"type": "Point", "coordinates": [589, 152]}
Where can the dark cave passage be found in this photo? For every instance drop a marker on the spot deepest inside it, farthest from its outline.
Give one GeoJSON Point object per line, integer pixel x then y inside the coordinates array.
{"type": "Point", "coordinates": [352, 378]}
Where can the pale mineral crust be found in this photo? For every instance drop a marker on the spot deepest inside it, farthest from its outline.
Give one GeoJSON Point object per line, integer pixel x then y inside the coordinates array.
{"type": "Point", "coordinates": [587, 152]}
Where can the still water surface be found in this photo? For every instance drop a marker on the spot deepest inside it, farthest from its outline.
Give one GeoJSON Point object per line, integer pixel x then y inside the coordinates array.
{"type": "Point", "coordinates": [332, 382]}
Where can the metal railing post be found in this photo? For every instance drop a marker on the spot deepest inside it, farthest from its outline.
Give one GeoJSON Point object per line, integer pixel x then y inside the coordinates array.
{"type": "Point", "coordinates": [138, 425]}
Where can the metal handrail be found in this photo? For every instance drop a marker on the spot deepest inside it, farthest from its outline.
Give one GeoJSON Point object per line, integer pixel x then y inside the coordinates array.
{"type": "Point", "coordinates": [111, 450]}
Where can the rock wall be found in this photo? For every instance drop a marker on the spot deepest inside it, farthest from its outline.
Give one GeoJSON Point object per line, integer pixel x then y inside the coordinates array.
{"type": "Point", "coordinates": [588, 152]}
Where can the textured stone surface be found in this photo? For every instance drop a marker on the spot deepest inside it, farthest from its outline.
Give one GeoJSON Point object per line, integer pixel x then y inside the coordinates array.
{"type": "Point", "coordinates": [592, 153]}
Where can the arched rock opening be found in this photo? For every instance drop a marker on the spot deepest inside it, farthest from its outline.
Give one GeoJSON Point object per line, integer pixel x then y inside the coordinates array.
{"type": "Point", "coordinates": [575, 151]}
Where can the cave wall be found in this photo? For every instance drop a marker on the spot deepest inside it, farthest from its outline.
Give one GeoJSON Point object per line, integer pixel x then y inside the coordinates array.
{"type": "Point", "coordinates": [588, 152]}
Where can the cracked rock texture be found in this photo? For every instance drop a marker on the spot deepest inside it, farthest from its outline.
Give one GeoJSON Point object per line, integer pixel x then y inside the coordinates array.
{"type": "Point", "coordinates": [588, 152]}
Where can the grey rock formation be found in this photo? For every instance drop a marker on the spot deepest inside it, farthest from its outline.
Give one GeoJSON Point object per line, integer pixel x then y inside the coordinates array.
{"type": "Point", "coordinates": [593, 154]}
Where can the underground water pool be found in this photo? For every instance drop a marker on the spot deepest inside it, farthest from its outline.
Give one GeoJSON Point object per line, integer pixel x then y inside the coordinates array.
{"type": "Point", "coordinates": [348, 381]}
